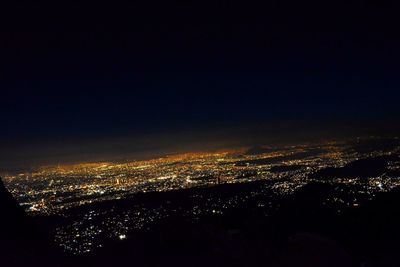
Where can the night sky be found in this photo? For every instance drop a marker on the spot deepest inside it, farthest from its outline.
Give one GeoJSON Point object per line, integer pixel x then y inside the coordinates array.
{"type": "Point", "coordinates": [100, 82]}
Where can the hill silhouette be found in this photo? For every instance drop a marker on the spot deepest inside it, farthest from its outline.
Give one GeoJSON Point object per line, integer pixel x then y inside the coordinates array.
{"type": "Point", "coordinates": [22, 243]}
{"type": "Point", "coordinates": [363, 168]}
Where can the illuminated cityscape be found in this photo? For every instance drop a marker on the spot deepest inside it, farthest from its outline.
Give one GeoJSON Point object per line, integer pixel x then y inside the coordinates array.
{"type": "Point", "coordinates": [192, 134]}
{"type": "Point", "coordinates": [61, 190]}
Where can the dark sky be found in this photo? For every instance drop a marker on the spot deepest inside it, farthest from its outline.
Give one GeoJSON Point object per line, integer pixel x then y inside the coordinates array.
{"type": "Point", "coordinates": [102, 81]}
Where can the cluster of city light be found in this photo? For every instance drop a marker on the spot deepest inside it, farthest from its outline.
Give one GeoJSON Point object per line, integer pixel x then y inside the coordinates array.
{"type": "Point", "coordinates": [58, 189]}
{"type": "Point", "coordinates": [52, 189]}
